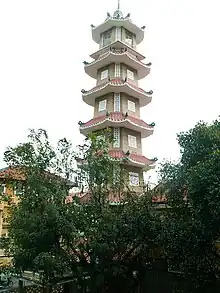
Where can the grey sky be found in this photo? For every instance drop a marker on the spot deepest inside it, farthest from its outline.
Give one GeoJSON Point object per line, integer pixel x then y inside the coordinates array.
{"type": "Point", "coordinates": [43, 45]}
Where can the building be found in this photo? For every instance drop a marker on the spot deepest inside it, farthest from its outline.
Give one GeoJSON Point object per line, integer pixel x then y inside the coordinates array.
{"type": "Point", "coordinates": [116, 97]}
{"type": "Point", "coordinates": [11, 186]}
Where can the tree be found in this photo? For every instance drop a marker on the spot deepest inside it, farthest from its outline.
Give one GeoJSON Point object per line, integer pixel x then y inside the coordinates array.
{"type": "Point", "coordinates": [41, 218]}
{"type": "Point", "coordinates": [193, 191]}
{"type": "Point", "coordinates": [104, 244]}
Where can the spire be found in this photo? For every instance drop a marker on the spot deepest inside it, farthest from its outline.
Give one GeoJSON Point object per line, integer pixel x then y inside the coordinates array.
{"type": "Point", "coordinates": [118, 14]}
{"type": "Point", "coordinates": [118, 4]}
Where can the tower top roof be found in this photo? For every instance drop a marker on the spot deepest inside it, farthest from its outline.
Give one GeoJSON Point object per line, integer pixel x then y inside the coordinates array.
{"type": "Point", "coordinates": [118, 13]}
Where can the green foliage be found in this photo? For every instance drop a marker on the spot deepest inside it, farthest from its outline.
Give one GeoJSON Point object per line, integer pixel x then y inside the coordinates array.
{"type": "Point", "coordinates": [41, 218]}
{"type": "Point", "coordinates": [193, 190]}
{"type": "Point", "coordinates": [103, 242]}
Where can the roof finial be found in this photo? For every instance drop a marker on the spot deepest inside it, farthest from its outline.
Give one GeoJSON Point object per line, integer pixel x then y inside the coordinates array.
{"type": "Point", "coordinates": [118, 14]}
{"type": "Point", "coordinates": [118, 4]}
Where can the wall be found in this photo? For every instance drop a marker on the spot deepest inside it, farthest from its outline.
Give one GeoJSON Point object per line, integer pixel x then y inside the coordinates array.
{"type": "Point", "coordinates": [124, 140]}
{"type": "Point", "coordinates": [124, 105]}
{"type": "Point", "coordinates": [124, 68]}
{"type": "Point", "coordinates": [132, 169]}
{"type": "Point", "coordinates": [111, 73]}
{"type": "Point", "coordinates": [110, 104]}
{"type": "Point", "coordinates": [113, 35]}
{"type": "Point", "coordinates": [123, 35]}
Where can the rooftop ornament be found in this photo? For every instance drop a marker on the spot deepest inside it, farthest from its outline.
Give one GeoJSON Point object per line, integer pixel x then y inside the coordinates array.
{"type": "Point", "coordinates": [118, 14]}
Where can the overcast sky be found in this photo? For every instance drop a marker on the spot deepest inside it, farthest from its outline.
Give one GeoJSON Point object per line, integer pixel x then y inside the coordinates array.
{"type": "Point", "coordinates": [44, 42]}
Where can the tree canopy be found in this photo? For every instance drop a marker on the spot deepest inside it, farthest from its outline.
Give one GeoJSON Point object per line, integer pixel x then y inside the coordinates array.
{"type": "Point", "coordinates": [193, 189]}
{"type": "Point", "coordinates": [104, 243]}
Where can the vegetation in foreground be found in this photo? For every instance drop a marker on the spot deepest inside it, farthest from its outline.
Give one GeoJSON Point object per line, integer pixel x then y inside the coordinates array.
{"type": "Point", "coordinates": [114, 246]}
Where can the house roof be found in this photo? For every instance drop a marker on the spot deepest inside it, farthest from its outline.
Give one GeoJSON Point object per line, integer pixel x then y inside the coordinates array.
{"type": "Point", "coordinates": [14, 173]}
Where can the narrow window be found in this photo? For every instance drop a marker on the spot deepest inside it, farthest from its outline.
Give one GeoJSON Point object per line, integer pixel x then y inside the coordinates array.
{"type": "Point", "coordinates": [116, 134]}
{"type": "Point", "coordinates": [117, 105]}
{"type": "Point", "coordinates": [118, 33]}
{"type": "Point", "coordinates": [117, 70]}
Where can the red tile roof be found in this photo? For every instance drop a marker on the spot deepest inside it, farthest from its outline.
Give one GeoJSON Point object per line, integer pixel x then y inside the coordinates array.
{"type": "Point", "coordinates": [11, 173]}
{"type": "Point", "coordinates": [118, 154]}
{"type": "Point", "coordinates": [117, 82]}
{"type": "Point", "coordinates": [86, 196]}
{"type": "Point", "coordinates": [116, 117]}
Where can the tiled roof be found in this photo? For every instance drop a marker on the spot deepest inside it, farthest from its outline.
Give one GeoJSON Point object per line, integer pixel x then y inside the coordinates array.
{"type": "Point", "coordinates": [118, 154]}
{"type": "Point", "coordinates": [117, 82]}
{"type": "Point", "coordinates": [118, 44]}
{"type": "Point", "coordinates": [11, 173]}
{"type": "Point", "coordinates": [118, 52]}
{"type": "Point", "coordinates": [86, 196]}
{"type": "Point", "coordinates": [116, 117]}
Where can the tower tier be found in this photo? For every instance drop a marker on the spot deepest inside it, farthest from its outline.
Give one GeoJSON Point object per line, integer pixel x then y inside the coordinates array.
{"type": "Point", "coordinates": [117, 85]}
{"type": "Point", "coordinates": [117, 120]}
{"type": "Point", "coordinates": [123, 25]}
{"type": "Point", "coordinates": [118, 57]}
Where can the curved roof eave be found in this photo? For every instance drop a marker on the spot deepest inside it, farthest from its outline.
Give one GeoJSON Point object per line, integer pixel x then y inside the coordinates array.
{"type": "Point", "coordinates": [111, 22]}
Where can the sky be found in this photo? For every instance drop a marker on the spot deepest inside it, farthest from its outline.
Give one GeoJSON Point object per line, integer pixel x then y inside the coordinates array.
{"type": "Point", "coordinates": [43, 44]}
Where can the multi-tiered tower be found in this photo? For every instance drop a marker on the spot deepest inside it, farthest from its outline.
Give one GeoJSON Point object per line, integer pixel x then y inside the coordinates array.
{"type": "Point", "coordinates": [116, 98]}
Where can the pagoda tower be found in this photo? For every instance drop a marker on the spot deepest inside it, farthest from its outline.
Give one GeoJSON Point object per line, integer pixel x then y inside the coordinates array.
{"type": "Point", "coordinates": [116, 98]}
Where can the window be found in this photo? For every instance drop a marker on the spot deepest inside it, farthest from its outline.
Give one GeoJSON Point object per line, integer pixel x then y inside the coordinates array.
{"type": "Point", "coordinates": [19, 189]}
{"type": "Point", "coordinates": [2, 188]}
{"type": "Point", "coordinates": [107, 37]}
{"type": "Point", "coordinates": [128, 38]}
{"type": "Point", "coordinates": [118, 33]}
{"type": "Point", "coordinates": [117, 70]}
{"type": "Point", "coordinates": [117, 103]}
{"type": "Point", "coordinates": [102, 105]}
{"type": "Point", "coordinates": [131, 106]}
{"type": "Point", "coordinates": [134, 179]}
{"type": "Point", "coordinates": [132, 141]}
{"type": "Point", "coordinates": [116, 134]}
{"type": "Point", "coordinates": [130, 74]}
{"type": "Point", "coordinates": [104, 74]}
